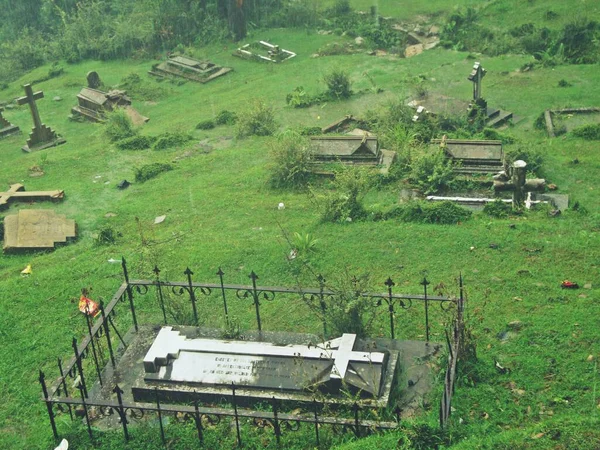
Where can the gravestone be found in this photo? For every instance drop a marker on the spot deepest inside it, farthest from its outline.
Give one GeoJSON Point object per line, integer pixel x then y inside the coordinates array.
{"type": "Point", "coordinates": [93, 80]}
{"type": "Point", "coordinates": [473, 156]}
{"type": "Point", "coordinates": [191, 69]}
{"type": "Point", "coordinates": [476, 76]}
{"type": "Point", "coordinates": [41, 136]}
{"type": "Point", "coordinates": [516, 182]}
{"type": "Point", "coordinates": [264, 368]}
{"type": "Point", "coordinates": [93, 105]}
{"type": "Point", "coordinates": [36, 229]}
{"type": "Point", "coordinates": [17, 192]}
{"type": "Point", "coordinates": [7, 128]}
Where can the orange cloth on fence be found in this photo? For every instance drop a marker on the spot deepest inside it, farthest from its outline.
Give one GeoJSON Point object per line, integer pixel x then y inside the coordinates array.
{"type": "Point", "coordinates": [88, 306]}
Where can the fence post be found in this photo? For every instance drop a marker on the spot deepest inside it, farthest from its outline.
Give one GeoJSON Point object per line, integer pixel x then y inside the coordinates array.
{"type": "Point", "coordinates": [89, 327]}
{"type": "Point", "coordinates": [235, 411]}
{"type": "Point", "coordinates": [42, 379]}
{"type": "Point", "coordinates": [81, 388]}
{"type": "Point", "coordinates": [221, 273]}
{"type": "Point", "coordinates": [79, 366]}
{"type": "Point", "coordinates": [198, 420]}
{"type": "Point", "coordinates": [161, 301]}
{"type": "Point", "coordinates": [316, 410]}
{"type": "Point", "coordinates": [254, 277]}
{"type": "Point", "coordinates": [189, 274]}
{"type": "Point", "coordinates": [426, 283]}
{"type": "Point", "coordinates": [122, 415]}
{"type": "Point", "coordinates": [276, 427]}
{"type": "Point", "coordinates": [64, 385]}
{"type": "Point", "coordinates": [129, 293]}
{"type": "Point", "coordinates": [162, 430]}
{"type": "Point", "coordinates": [390, 284]}
{"type": "Point", "coordinates": [107, 333]}
{"type": "Point", "coordinates": [322, 304]}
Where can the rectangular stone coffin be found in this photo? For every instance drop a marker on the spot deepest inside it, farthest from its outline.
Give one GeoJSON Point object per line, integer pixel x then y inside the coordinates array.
{"type": "Point", "coordinates": [346, 149]}
{"type": "Point", "coordinates": [474, 156]}
{"type": "Point", "coordinates": [209, 362]}
{"type": "Point", "coordinates": [93, 104]}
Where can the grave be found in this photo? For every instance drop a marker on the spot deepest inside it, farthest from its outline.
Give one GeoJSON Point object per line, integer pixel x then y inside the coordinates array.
{"type": "Point", "coordinates": [36, 229]}
{"type": "Point", "coordinates": [191, 69]}
{"type": "Point", "coordinates": [181, 362]}
{"type": "Point", "coordinates": [93, 80]}
{"type": "Point", "coordinates": [473, 156]}
{"type": "Point", "coordinates": [559, 121]}
{"type": "Point", "coordinates": [7, 128]}
{"type": "Point", "coordinates": [93, 105]}
{"type": "Point", "coordinates": [41, 136]}
{"type": "Point", "coordinates": [17, 192]}
{"type": "Point", "coordinates": [264, 51]}
{"type": "Point", "coordinates": [495, 117]}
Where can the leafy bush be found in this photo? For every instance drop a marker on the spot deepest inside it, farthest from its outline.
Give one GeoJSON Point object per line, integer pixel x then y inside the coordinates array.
{"type": "Point", "coordinates": [107, 236]}
{"type": "Point", "coordinates": [533, 157]}
{"type": "Point", "coordinates": [345, 202]}
{"type": "Point", "coordinates": [290, 160]}
{"type": "Point", "coordinates": [338, 84]}
{"type": "Point", "coordinates": [443, 213]}
{"type": "Point", "coordinates": [589, 132]}
{"type": "Point", "coordinates": [149, 171]}
{"type": "Point", "coordinates": [118, 126]}
{"type": "Point", "coordinates": [497, 208]}
{"type": "Point", "coordinates": [431, 172]}
{"type": "Point", "coordinates": [206, 125]}
{"type": "Point", "coordinates": [170, 139]}
{"type": "Point", "coordinates": [299, 98]}
{"type": "Point", "coordinates": [258, 121]}
{"type": "Point", "coordinates": [304, 243]}
{"type": "Point", "coordinates": [136, 143]}
{"type": "Point", "coordinates": [310, 131]}
{"type": "Point", "coordinates": [142, 89]}
{"type": "Point", "coordinates": [226, 118]}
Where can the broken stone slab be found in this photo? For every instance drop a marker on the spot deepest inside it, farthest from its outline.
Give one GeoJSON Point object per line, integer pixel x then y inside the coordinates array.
{"type": "Point", "coordinates": [37, 229]}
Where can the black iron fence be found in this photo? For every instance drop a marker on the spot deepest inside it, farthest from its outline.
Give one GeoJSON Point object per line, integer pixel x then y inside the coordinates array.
{"type": "Point", "coordinates": [103, 336]}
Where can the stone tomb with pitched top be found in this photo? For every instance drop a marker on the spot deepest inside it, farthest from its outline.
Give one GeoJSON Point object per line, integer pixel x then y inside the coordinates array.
{"type": "Point", "coordinates": [178, 366]}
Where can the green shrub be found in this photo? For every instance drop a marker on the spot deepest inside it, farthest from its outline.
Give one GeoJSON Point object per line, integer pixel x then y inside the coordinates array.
{"type": "Point", "coordinates": [345, 202]}
{"type": "Point", "coordinates": [150, 171]}
{"type": "Point", "coordinates": [290, 161]}
{"type": "Point", "coordinates": [533, 157]}
{"type": "Point", "coordinates": [206, 125]}
{"type": "Point", "coordinates": [259, 120]}
{"type": "Point", "coordinates": [443, 213]}
{"type": "Point", "coordinates": [495, 135]}
{"type": "Point", "coordinates": [141, 89]}
{"type": "Point", "coordinates": [107, 236]}
{"type": "Point", "coordinates": [299, 98]}
{"type": "Point", "coordinates": [338, 84]}
{"type": "Point", "coordinates": [170, 139]}
{"type": "Point", "coordinates": [589, 132]}
{"type": "Point", "coordinates": [431, 172]}
{"type": "Point", "coordinates": [310, 131]}
{"type": "Point", "coordinates": [226, 118]}
{"type": "Point", "coordinates": [135, 143]}
{"type": "Point", "coordinates": [118, 126]}
{"type": "Point", "coordinates": [497, 208]}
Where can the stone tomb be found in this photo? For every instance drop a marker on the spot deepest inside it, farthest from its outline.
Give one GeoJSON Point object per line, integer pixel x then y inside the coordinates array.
{"type": "Point", "coordinates": [93, 104]}
{"type": "Point", "coordinates": [36, 229]}
{"type": "Point", "coordinates": [264, 51]}
{"type": "Point", "coordinates": [192, 69]}
{"type": "Point", "coordinates": [41, 136]}
{"type": "Point", "coordinates": [175, 363]}
{"type": "Point", "coordinates": [7, 128]}
{"type": "Point", "coordinates": [473, 157]}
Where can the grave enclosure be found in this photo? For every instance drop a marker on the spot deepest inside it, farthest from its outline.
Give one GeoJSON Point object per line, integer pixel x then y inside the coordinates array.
{"type": "Point", "coordinates": [273, 367]}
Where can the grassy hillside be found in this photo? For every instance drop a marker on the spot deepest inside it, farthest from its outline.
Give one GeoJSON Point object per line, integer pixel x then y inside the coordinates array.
{"type": "Point", "coordinates": [222, 213]}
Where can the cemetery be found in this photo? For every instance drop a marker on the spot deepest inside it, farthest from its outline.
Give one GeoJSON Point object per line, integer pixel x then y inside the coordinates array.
{"type": "Point", "coordinates": [409, 261]}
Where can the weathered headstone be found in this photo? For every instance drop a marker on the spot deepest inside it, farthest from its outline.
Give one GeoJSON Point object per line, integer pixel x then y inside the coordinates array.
{"type": "Point", "coordinates": [175, 359]}
{"type": "Point", "coordinates": [191, 69]}
{"type": "Point", "coordinates": [41, 136]}
{"type": "Point", "coordinates": [17, 192]}
{"type": "Point", "coordinates": [7, 128]}
{"type": "Point", "coordinates": [518, 183]}
{"type": "Point", "coordinates": [36, 229]}
{"type": "Point", "coordinates": [93, 80]}
{"type": "Point", "coordinates": [476, 76]}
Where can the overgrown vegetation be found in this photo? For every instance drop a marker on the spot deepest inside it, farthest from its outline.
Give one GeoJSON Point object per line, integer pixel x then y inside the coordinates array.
{"type": "Point", "coordinates": [149, 171]}
{"type": "Point", "coordinates": [290, 161]}
{"type": "Point", "coordinates": [589, 132]}
{"type": "Point", "coordinates": [338, 88]}
{"type": "Point", "coordinates": [344, 202]}
{"type": "Point", "coordinates": [259, 120]}
{"type": "Point", "coordinates": [118, 126]}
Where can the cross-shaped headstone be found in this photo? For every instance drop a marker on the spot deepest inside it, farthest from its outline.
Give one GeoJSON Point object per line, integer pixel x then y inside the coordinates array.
{"type": "Point", "coordinates": [518, 183]}
{"type": "Point", "coordinates": [17, 192]}
{"type": "Point", "coordinates": [7, 128]}
{"type": "Point", "coordinates": [476, 76]}
{"type": "Point", "coordinates": [41, 136]}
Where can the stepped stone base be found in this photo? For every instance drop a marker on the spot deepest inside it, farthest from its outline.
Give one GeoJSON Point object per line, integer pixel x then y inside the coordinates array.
{"type": "Point", "coordinates": [41, 138]}
{"type": "Point", "coordinates": [37, 229]}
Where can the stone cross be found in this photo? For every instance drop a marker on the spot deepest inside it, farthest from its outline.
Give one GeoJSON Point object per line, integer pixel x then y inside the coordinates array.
{"type": "Point", "coordinates": [17, 192]}
{"type": "Point", "coordinates": [6, 128]}
{"type": "Point", "coordinates": [476, 76]}
{"type": "Point", "coordinates": [518, 183]}
{"type": "Point", "coordinates": [41, 136]}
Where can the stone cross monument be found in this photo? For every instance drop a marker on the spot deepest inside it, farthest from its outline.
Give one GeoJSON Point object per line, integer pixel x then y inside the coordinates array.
{"type": "Point", "coordinates": [476, 76]}
{"type": "Point", "coordinates": [518, 183]}
{"type": "Point", "coordinates": [7, 128]}
{"type": "Point", "coordinates": [41, 136]}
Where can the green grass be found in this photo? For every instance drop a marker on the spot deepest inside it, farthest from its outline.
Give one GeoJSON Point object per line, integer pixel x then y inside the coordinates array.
{"type": "Point", "coordinates": [221, 213]}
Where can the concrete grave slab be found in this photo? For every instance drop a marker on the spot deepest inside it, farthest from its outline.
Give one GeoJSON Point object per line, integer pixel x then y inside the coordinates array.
{"type": "Point", "coordinates": [36, 229]}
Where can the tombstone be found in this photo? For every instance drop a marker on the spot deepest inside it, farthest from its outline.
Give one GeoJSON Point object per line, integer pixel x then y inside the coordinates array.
{"type": "Point", "coordinates": [516, 182]}
{"type": "Point", "coordinates": [93, 80]}
{"type": "Point", "coordinates": [93, 105]}
{"type": "Point", "coordinates": [17, 192]}
{"type": "Point", "coordinates": [191, 69]}
{"type": "Point", "coordinates": [264, 368]}
{"type": "Point", "coordinates": [7, 128]}
{"type": "Point", "coordinates": [476, 76]}
{"type": "Point", "coordinates": [36, 229]}
{"type": "Point", "coordinates": [41, 136]}
{"type": "Point", "coordinates": [473, 156]}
